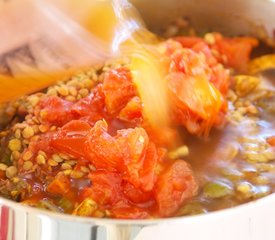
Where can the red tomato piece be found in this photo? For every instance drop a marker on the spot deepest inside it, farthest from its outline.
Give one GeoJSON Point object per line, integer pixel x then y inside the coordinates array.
{"type": "Point", "coordinates": [55, 110]}
{"type": "Point", "coordinates": [2, 175]}
{"type": "Point", "coordinates": [140, 157]}
{"type": "Point", "coordinates": [60, 185]}
{"type": "Point", "coordinates": [196, 93]}
{"type": "Point", "coordinates": [148, 173]}
{"type": "Point", "coordinates": [271, 141]}
{"type": "Point", "coordinates": [71, 138]}
{"type": "Point", "coordinates": [106, 188]}
{"type": "Point", "coordinates": [202, 47]}
{"type": "Point", "coordinates": [118, 89]}
{"type": "Point", "coordinates": [188, 42]}
{"type": "Point", "coordinates": [220, 78]}
{"type": "Point", "coordinates": [132, 111]}
{"type": "Point", "coordinates": [91, 107]}
{"type": "Point", "coordinates": [237, 50]}
{"type": "Point", "coordinates": [136, 195]}
{"type": "Point", "coordinates": [174, 186]}
{"type": "Point", "coordinates": [102, 149]}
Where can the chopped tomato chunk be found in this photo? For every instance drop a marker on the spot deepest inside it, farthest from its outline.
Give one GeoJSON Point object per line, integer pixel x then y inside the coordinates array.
{"type": "Point", "coordinates": [136, 195]}
{"type": "Point", "coordinates": [174, 186]}
{"type": "Point", "coordinates": [91, 107]}
{"type": "Point", "coordinates": [188, 42]}
{"type": "Point", "coordinates": [236, 50]}
{"type": "Point", "coordinates": [71, 138]}
{"type": "Point", "coordinates": [118, 89]}
{"type": "Point", "coordinates": [132, 111]}
{"type": "Point", "coordinates": [60, 185]}
{"type": "Point", "coordinates": [102, 149]}
{"type": "Point", "coordinates": [106, 188]}
{"type": "Point", "coordinates": [271, 140]}
{"type": "Point", "coordinates": [55, 110]}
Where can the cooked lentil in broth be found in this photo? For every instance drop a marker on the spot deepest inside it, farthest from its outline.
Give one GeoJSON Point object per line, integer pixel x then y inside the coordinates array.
{"type": "Point", "coordinates": [42, 164]}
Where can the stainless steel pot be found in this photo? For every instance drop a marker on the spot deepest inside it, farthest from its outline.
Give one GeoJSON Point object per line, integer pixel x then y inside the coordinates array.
{"type": "Point", "coordinates": [252, 221]}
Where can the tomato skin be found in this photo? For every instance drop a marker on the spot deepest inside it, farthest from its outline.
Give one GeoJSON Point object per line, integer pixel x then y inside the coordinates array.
{"type": "Point", "coordinates": [56, 110]}
{"type": "Point", "coordinates": [118, 89]}
{"type": "Point", "coordinates": [136, 195]}
{"type": "Point", "coordinates": [133, 143]}
{"type": "Point", "coordinates": [236, 50]}
{"type": "Point", "coordinates": [90, 107]}
{"type": "Point", "coordinates": [71, 138]}
{"type": "Point", "coordinates": [102, 149]}
{"type": "Point", "coordinates": [140, 158]}
{"type": "Point", "coordinates": [174, 186]}
{"type": "Point", "coordinates": [147, 175]}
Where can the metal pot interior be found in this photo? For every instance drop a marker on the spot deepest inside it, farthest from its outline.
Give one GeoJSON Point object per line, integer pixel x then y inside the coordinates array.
{"type": "Point", "coordinates": [245, 17]}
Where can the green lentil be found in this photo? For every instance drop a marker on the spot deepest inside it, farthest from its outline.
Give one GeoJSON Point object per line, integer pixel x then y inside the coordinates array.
{"type": "Point", "coordinates": [217, 190]}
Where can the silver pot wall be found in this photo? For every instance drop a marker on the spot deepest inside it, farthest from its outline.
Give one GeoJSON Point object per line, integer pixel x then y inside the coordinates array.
{"type": "Point", "coordinates": [252, 221]}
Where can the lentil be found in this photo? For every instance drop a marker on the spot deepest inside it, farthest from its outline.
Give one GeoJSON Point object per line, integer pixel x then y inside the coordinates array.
{"type": "Point", "coordinates": [27, 155]}
{"type": "Point", "coordinates": [27, 165]}
{"type": "Point", "coordinates": [15, 145]}
{"type": "Point", "coordinates": [28, 132]}
{"type": "Point", "coordinates": [11, 172]}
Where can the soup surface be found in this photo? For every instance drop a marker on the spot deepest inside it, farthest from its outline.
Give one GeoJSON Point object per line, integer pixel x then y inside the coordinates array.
{"type": "Point", "coordinates": [84, 146]}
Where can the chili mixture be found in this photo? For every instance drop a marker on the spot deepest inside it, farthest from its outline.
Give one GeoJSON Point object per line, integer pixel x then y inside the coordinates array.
{"type": "Point", "coordinates": [84, 146]}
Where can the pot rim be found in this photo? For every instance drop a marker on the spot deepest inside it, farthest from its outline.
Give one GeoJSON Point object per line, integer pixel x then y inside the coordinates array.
{"type": "Point", "coordinates": [268, 200]}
